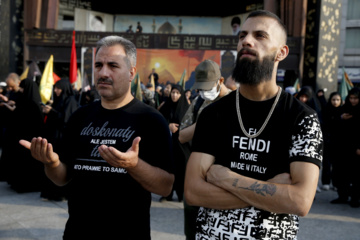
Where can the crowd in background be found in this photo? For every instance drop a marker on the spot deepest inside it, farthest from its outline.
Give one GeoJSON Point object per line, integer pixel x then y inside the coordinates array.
{"type": "Point", "coordinates": [24, 116]}
{"type": "Point", "coordinates": [340, 121]}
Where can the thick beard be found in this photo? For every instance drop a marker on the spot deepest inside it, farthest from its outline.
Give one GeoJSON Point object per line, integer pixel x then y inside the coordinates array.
{"type": "Point", "coordinates": [253, 72]}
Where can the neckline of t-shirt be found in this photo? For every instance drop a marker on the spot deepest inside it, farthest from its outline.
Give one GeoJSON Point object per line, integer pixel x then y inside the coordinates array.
{"type": "Point", "coordinates": [131, 103]}
{"type": "Point", "coordinates": [267, 101]}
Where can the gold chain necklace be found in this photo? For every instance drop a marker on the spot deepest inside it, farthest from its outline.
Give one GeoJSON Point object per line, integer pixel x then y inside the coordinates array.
{"type": "Point", "coordinates": [266, 120]}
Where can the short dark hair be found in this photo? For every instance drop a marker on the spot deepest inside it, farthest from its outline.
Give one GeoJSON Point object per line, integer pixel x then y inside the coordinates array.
{"type": "Point", "coordinates": [129, 47]}
{"type": "Point", "coordinates": [264, 13]}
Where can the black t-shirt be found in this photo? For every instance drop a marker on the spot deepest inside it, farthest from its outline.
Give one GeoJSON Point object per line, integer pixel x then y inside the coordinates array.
{"type": "Point", "coordinates": [106, 201]}
{"type": "Point", "coordinates": [293, 133]}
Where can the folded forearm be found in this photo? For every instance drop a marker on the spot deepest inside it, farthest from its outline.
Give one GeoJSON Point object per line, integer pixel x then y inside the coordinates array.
{"type": "Point", "coordinates": [272, 197]}
{"type": "Point", "coordinates": [207, 195]}
{"type": "Point", "coordinates": [153, 179]}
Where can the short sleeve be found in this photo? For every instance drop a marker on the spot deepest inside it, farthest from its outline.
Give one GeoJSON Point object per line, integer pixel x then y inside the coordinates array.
{"type": "Point", "coordinates": [307, 141]}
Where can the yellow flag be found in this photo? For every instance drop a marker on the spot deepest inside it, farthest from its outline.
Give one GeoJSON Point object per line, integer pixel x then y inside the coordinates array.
{"type": "Point", "coordinates": [152, 80]}
{"type": "Point", "coordinates": [138, 94]}
{"type": "Point", "coordinates": [78, 83]}
{"type": "Point", "coordinates": [47, 81]}
{"type": "Point", "coordinates": [25, 73]}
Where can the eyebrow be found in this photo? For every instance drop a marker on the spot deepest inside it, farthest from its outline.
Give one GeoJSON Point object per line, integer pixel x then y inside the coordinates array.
{"type": "Point", "coordinates": [263, 32]}
{"type": "Point", "coordinates": [257, 31]}
{"type": "Point", "coordinates": [109, 63]}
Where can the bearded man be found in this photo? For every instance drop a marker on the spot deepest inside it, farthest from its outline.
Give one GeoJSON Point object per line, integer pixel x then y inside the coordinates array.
{"type": "Point", "coordinates": [257, 151]}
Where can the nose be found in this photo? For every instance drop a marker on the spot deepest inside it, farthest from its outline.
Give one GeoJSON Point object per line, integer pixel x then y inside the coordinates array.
{"type": "Point", "coordinates": [103, 72]}
{"type": "Point", "coordinates": [247, 41]}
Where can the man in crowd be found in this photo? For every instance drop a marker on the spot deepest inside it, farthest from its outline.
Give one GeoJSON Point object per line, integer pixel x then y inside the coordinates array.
{"type": "Point", "coordinates": [256, 152]}
{"type": "Point", "coordinates": [210, 83]}
{"type": "Point", "coordinates": [111, 174]}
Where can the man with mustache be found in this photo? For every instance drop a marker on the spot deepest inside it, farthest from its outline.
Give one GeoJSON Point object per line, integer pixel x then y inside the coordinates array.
{"type": "Point", "coordinates": [256, 152]}
{"type": "Point", "coordinates": [110, 185]}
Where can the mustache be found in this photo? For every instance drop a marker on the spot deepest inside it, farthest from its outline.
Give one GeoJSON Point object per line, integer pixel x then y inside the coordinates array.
{"type": "Point", "coordinates": [247, 51]}
{"type": "Point", "coordinates": [105, 80]}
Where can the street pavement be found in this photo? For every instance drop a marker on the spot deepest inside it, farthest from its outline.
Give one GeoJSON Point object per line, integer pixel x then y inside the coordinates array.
{"type": "Point", "coordinates": [27, 216]}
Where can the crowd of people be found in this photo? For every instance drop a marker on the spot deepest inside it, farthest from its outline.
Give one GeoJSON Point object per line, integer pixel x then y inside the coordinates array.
{"type": "Point", "coordinates": [233, 155]}
{"type": "Point", "coordinates": [23, 116]}
{"type": "Point", "coordinates": [340, 126]}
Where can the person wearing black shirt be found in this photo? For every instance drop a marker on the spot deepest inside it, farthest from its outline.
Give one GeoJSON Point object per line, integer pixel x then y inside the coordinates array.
{"type": "Point", "coordinates": [108, 154]}
{"type": "Point", "coordinates": [256, 152]}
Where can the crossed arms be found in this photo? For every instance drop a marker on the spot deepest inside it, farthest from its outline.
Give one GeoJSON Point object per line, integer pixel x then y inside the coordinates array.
{"type": "Point", "coordinates": [215, 186]}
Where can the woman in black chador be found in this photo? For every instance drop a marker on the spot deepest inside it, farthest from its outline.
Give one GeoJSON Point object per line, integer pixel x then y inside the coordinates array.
{"type": "Point", "coordinates": [174, 110]}
{"type": "Point", "coordinates": [57, 115]}
{"type": "Point", "coordinates": [25, 173]}
{"type": "Point", "coordinates": [349, 180]}
{"type": "Point", "coordinates": [332, 139]}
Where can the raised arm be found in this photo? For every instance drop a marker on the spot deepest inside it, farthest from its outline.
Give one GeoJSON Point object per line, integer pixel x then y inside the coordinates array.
{"type": "Point", "coordinates": [153, 179]}
{"type": "Point", "coordinates": [295, 198]}
{"type": "Point", "coordinates": [199, 192]}
{"type": "Point", "coordinates": [42, 151]}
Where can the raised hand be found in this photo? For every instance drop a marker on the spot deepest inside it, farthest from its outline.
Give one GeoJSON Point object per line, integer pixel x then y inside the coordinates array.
{"type": "Point", "coordinates": [115, 158]}
{"type": "Point", "coordinates": [42, 151]}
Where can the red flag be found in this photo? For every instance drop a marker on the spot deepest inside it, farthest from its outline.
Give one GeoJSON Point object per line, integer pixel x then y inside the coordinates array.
{"type": "Point", "coordinates": [73, 62]}
{"type": "Point", "coordinates": [56, 77]}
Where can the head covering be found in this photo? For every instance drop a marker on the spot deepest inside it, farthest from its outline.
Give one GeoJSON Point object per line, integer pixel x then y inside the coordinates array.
{"type": "Point", "coordinates": [31, 91]}
{"type": "Point", "coordinates": [29, 102]}
{"type": "Point", "coordinates": [348, 108]}
{"type": "Point", "coordinates": [207, 73]}
{"type": "Point", "coordinates": [66, 103]}
{"type": "Point", "coordinates": [235, 20]}
{"type": "Point", "coordinates": [65, 86]}
{"type": "Point", "coordinates": [312, 101]}
{"type": "Point", "coordinates": [175, 111]}
{"type": "Point", "coordinates": [306, 90]}
{"type": "Point", "coordinates": [329, 108]}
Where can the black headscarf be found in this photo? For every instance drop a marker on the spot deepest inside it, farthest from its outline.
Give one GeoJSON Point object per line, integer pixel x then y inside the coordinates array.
{"type": "Point", "coordinates": [31, 93]}
{"type": "Point", "coordinates": [348, 108]}
{"type": "Point", "coordinates": [175, 111]}
{"type": "Point", "coordinates": [330, 110]}
{"type": "Point", "coordinates": [312, 101]}
{"type": "Point", "coordinates": [66, 103]}
{"type": "Point", "coordinates": [66, 88]}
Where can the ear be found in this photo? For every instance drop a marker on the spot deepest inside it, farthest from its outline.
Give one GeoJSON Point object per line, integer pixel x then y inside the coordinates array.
{"type": "Point", "coordinates": [221, 80]}
{"type": "Point", "coordinates": [282, 54]}
{"type": "Point", "coordinates": [132, 73]}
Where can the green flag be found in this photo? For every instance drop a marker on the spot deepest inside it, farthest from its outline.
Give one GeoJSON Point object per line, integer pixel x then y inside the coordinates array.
{"type": "Point", "coordinates": [297, 85]}
{"type": "Point", "coordinates": [345, 85]}
{"type": "Point", "coordinates": [182, 79]}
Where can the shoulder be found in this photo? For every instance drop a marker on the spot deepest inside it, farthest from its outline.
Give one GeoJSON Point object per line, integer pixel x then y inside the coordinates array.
{"type": "Point", "coordinates": [87, 109]}
{"type": "Point", "coordinates": [144, 111]}
{"type": "Point", "coordinates": [222, 104]}
{"type": "Point", "coordinates": [294, 107]}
